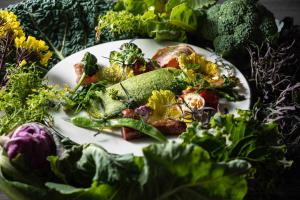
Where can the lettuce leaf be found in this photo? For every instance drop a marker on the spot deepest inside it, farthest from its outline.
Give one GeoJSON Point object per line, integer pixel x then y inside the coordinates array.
{"type": "Point", "coordinates": [194, 4]}
{"type": "Point", "coordinates": [183, 16]}
{"type": "Point", "coordinates": [232, 137]}
{"type": "Point", "coordinates": [243, 137]}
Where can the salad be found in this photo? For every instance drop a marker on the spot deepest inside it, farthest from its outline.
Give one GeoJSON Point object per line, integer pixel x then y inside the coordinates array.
{"type": "Point", "coordinates": [155, 96]}
{"type": "Point", "coordinates": [251, 155]}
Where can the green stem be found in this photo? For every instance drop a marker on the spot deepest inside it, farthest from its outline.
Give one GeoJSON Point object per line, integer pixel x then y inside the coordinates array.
{"type": "Point", "coordinates": [83, 76]}
{"type": "Point", "coordinates": [56, 51]}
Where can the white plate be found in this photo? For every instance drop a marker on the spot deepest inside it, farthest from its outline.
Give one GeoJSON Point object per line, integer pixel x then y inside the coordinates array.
{"type": "Point", "coordinates": [63, 73]}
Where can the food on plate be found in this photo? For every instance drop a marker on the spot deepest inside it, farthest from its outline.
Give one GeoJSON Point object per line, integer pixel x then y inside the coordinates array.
{"type": "Point", "coordinates": [87, 71]}
{"type": "Point", "coordinates": [168, 92]}
{"type": "Point", "coordinates": [168, 56]}
{"type": "Point", "coordinates": [135, 90]}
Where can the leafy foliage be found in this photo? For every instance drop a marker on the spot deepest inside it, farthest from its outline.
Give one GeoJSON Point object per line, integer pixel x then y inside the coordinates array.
{"type": "Point", "coordinates": [242, 137]}
{"type": "Point", "coordinates": [26, 99]}
{"type": "Point", "coordinates": [166, 171]}
{"type": "Point", "coordinates": [161, 20]}
{"type": "Point", "coordinates": [67, 26]}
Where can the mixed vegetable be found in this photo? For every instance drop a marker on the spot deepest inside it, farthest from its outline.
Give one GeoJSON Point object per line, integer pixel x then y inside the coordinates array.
{"type": "Point", "coordinates": [253, 155]}
{"type": "Point", "coordinates": [145, 92]}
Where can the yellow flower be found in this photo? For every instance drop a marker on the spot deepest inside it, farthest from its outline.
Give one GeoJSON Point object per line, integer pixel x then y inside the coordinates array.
{"type": "Point", "coordinates": [22, 63]}
{"type": "Point", "coordinates": [9, 24]}
{"type": "Point", "coordinates": [115, 73]}
{"type": "Point", "coordinates": [163, 104]}
{"type": "Point", "coordinates": [45, 58]}
{"type": "Point", "coordinates": [205, 67]}
{"type": "Point", "coordinates": [33, 46]}
{"type": "Point", "coordinates": [19, 41]}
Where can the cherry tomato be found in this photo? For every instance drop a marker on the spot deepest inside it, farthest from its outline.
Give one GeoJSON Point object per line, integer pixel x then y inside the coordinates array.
{"type": "Point", "coordinates": [211, 98]}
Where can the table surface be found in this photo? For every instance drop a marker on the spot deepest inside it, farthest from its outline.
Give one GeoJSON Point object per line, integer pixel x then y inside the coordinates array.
{"type": "Point", "coordinates": [280, 8]}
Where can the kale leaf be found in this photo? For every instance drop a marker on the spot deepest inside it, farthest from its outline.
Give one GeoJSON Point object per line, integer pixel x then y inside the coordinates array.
{"type": "Point", "coordinates": [67, 25]}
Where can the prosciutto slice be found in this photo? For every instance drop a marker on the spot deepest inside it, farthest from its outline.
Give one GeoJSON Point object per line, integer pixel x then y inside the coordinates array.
{"type": "Point", "coordinates": [168, 56]}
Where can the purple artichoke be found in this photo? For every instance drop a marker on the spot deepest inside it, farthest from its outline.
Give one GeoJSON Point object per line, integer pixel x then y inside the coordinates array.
{"type": "Point", "coordinates": [144, 112]}
{"type": "Point", "coordinates": [33, 141]}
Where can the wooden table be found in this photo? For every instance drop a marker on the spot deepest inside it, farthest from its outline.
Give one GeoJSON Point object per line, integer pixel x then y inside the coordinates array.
{"type": "Point", "coordinates": [278, 7]}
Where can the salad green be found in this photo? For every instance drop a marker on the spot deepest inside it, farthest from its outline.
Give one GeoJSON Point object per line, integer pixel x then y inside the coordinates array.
{"type": "Point", "coordinates": [229, 157]}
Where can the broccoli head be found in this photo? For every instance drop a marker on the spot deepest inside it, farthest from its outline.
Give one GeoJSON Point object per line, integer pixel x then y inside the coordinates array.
{"type": "Point", "coordinates": [236, 23]}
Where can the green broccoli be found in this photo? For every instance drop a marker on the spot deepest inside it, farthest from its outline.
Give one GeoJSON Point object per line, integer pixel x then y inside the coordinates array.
{"type": "Point", "coordinates": [236, 23]}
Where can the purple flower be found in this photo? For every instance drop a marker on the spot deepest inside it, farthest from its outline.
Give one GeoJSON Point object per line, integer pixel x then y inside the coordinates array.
{"type": "Point", "coordinates": [144, 111]}
{"type": "Point", "coordinates": [33, 141]}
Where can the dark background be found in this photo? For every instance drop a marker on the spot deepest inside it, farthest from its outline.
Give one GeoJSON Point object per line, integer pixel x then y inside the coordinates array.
{"type": "Point", "coordinates": [280, 8]}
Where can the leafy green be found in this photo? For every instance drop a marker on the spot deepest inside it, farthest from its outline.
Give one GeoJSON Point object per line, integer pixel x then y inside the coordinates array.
{"type": "Point", "coordinates": [158, 19]}
{"type": "Point", "coordinates": [166, 171]}
{"type": "Point", "coordinates": [233, 137]}
{"type": "Point", "coordinates": [85, 98]}
{"type": "Point", "coordinates": [186, 171]}
{"type": "Point", "coordinates": [123, 25]}
{"type": "Point", "coordinates": [95, 192]}
{"type": "Point", "coordinates": [242, 137]}
{"type": "Point", "coordinates": [26, 99]}
{"type": "Point", "coordinates": [67, 25]}
{"type": "Point", "coordinates": [194, 4]}
{"type": "Point", "coordinates": [184, 17]}
{"type": "Point", "coordinates": [129, 55]}
{"type": "Point", "coordinates": [133, 6]}
{"type": "Point", "coordinates": [19, 184]}
{"type": "Point", "coordinates": [118, 25]}
{"type": "Point", "coordinates": [90, 64]}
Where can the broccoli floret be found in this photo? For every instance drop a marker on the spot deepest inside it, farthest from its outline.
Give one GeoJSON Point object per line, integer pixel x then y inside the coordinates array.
{"type": "Point", "coordinates": [236, 23]}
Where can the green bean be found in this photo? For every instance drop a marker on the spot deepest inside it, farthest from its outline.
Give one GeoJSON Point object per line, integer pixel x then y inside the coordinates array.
{"type": "Point", "coordinates": [138, 125]}
{"type": "Point", "coordinates": [86, 122]}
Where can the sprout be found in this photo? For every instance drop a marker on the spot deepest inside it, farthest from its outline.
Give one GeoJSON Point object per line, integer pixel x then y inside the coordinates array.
{"type": "Point", "coordinates": [33, 142]}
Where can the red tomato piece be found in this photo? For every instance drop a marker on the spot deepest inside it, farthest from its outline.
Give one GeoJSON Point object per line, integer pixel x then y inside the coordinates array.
{"type": "Point", "coordinates": [211, 98]}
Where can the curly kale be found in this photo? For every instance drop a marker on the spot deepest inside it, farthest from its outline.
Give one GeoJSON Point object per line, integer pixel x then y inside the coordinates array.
{"type": "Point", "coordinates": [67, 25]}
{"type": "Point", "coordinates": [236, 23]}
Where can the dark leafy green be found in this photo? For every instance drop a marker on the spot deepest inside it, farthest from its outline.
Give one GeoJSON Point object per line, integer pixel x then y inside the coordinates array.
{"type": "Point", "coordinates": [67, 25]}
{"type": "Point", "coordinates": [85, 98]}
{"type": "Point", "coordinates": [242, 137]}
{"type": "Point", "coordinates": [90, 64]}
{"type": "Point", "coordinates": [21, 184]}
{"type": "Point", "coordinates": [167, 171]}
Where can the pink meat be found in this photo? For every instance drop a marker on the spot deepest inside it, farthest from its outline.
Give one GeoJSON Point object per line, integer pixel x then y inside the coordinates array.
{"type": "Point", "coordinates": [167, 57]}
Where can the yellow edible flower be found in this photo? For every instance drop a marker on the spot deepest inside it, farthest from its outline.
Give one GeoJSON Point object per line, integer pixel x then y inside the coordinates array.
{"type": "Point", "coordinates": [116, 73]}
{"type": "Point", "coordinates": [32, 45]}
{"type": "Point", "coordinates": [206, 67]}
{"type": "Point", "coordinates": [9, 24]}
{"type": "Point", "coordinates": [22, 63]}
{"type": "Point", "coordinates": [163, 104]}
{"type": "Point", "coordinates": [45, 58]}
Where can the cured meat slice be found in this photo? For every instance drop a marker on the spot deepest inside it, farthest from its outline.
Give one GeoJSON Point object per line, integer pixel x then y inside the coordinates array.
{"type": "Point", "coordinates": [168, 56]}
